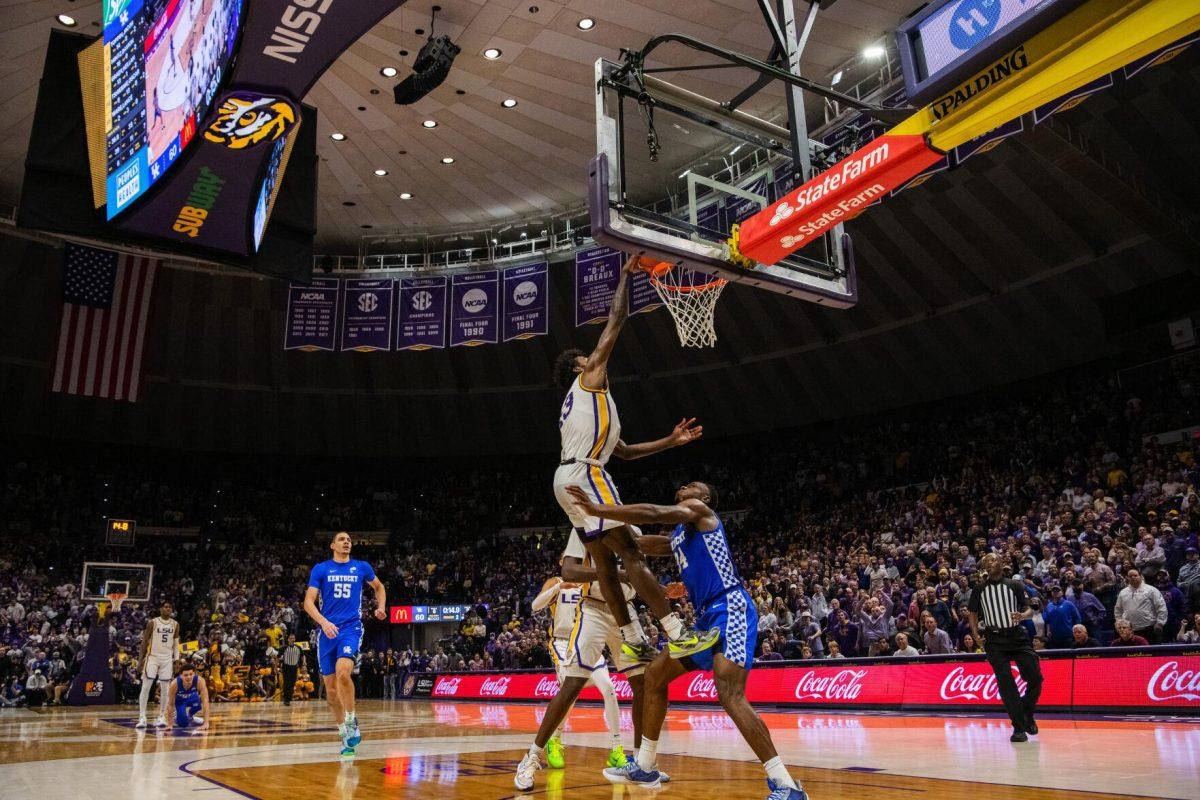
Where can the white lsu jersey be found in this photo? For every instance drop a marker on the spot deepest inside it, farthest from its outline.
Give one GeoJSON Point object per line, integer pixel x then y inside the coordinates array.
{"type": "Point", "coordinates": [564, 612]}
{"type": "Point", "coordinates": [575, 549]}
{"type": "Point", "coordinates": [162, 638]}
{"type": "Point", "coordinates": [589, 424]}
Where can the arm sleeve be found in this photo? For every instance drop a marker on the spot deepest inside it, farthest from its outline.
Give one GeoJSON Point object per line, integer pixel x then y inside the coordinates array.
{"type": "Point", "coordinates": [315, 576]}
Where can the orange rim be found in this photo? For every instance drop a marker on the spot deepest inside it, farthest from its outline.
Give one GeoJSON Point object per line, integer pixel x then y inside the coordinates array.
{"type": "Point", "coordinates": [685, 289]}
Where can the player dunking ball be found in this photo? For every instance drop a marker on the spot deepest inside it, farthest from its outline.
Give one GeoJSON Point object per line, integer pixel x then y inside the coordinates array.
{"type": "Point", "coordinates": [338, 583]}
{"type": "Point", "coordinates": [188, 700]}
{"type": "Point", "coordinates": [591, 434]}
{"type": "Point", "coordinates": [706, 568]}
{"type": "Point", "coordinates": [160, 643]}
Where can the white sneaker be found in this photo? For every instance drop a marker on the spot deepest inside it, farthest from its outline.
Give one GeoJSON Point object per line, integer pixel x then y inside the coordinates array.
{"type": "Point", "coordinates": [141, 723]}
{"type": "Point", "coordinates": [161, 722]}
{"type": "Point", "coordinates": [529, 765]}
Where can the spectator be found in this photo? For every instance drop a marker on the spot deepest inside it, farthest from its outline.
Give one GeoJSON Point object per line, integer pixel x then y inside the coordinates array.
{"type": "Point", "coordinates": [1189, 632]}
{"type": "Point", "coordinates": [903, 648]}
{"type": "Point", "coordinates": [1126, 637]}
{"type": "Point", "coordinates": [1061, 616]}
{"type": "Point", "coordinates": [835, 651]}
{"type": "Point", "coordinates": [35, 688]}
{"type": "Point", "coordinates": [969, 645]}
{"type": "Point", "coordinates": [936, 640]}
{"type": "Point", "coordinates": [1143, 607]}
{"type": "Point", "coordinates": [1081, 638]}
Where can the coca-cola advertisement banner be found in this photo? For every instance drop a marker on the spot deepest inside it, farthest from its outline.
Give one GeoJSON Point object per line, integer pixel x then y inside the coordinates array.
{"type": "Point", "coordinates": [1124, 682]}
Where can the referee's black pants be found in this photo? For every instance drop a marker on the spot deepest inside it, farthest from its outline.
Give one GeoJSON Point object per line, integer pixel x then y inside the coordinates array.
{"type": "Point", "coordinates": [1012, 645]}
{"type": "Point", "coordinates": [289, 683]}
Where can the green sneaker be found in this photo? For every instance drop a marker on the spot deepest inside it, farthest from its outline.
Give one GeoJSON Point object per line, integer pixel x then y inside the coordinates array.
{"type": "Point", "coordinates": [691, 641]}
{"type": "Point", "coordinates": [349, 752]}
{"type": "Point", "coordinates": [642, 651]}
{"type": "Point", "coordinates": [555, 756]}
{"type": "Point", "coordinates": [617, 758]}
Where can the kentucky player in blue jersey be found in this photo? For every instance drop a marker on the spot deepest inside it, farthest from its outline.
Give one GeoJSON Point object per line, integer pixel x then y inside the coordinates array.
{"type": "Point", "coordinates": [187, 697]}
{"type": "Point", "coordinates": [707, 570]}
{"type": "Point", "coordinates": [339, 582]}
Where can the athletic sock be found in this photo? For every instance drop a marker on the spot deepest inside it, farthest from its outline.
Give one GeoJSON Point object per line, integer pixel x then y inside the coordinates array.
{"type": "Point", "coordinates": [633, 632]}
{"type": "Point", "coordinates": [144, 695]}
{"type": "Point", "coordinates": [350, 719]}
{"type": "Point", "coordinates": [672, 625]}
{"type": "Point", "coordinates": [534, 750]}
{"type": "Point", "coordinates": [648, 755]}
{"type": "Point", "coordinates": [777, 772]}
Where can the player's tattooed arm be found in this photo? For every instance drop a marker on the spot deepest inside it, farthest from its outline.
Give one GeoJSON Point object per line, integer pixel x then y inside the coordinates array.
{"type": "Point", "coordinates": [595, 374]}
{"type": "Point", "coordinates": [684, 432]}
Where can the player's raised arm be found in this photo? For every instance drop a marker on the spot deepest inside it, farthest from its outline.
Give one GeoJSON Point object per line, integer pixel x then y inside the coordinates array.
{"type": "Point", "coordinates": [595, 374]}
{"type": "Point", "coordinates": [689, 511]}
{"type": "Point", "coordinates": [549, 589]}
{"type": "Point", "coordinates": [380, 598]}
{"type": "Point", "coordinates": [686, 430]}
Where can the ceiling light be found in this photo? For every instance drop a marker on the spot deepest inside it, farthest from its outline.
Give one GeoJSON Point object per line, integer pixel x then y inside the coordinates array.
{"type": "Point", "coordinates": [875, 51]}
{"type": "Point", "coordinates": [509, 103]}
{"type": "Point", "coordinates": [429, 123]}
{"type": "Point", "coordinates": [837, 78]}
{"type": "Point", "coordinates": [491, 54]}
{"type": "Point", "coordinates": [406, 195]}
{"type": "Point", "coordinates": [447, 160]}
{"type": "Point", "coordinates": [586, 24]}
{"type": "Point", "coordinates": [338, 137]}
{"type": "Point", "coordinates": [389, 72]}
{"type": "Point", "coordinates": [381, 172]}
{"type": "Point", "coordinates": [66, 19]}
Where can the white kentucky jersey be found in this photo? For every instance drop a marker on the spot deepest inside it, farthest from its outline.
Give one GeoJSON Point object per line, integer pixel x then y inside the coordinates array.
{"type": "Point", "coordinates": [565, 612]}
{"type": "Point", "coordinates": [162, 638]}
{"type": "Point", "coordinates": [575, 549]}
{"type": "Point", "coordinates": [588, 423]}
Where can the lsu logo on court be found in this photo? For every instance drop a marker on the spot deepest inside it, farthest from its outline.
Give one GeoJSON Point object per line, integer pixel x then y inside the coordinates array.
{"type": "Point", "coordinates": [1011, 64]}
{"type": "Point", "coordinates": [246, 119]}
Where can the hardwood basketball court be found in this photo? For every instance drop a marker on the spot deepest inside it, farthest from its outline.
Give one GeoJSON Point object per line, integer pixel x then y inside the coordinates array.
{"type": "Point", "coordinates": [466, 750]}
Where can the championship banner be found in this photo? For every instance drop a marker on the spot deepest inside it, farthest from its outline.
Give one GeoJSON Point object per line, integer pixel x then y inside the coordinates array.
{"type": "Point", "coordinates": [474, 308]}
{"type": "Point", "coordinates": [367, 314]}
{"type": "Point", "coordinates": [1133, 682]}
{"type": "Point", "coordinates": [597, 270]}
{"type": "Point", "coordinates": [421, 319]}
{"type": "Point", "coordinates": [948, 162]}
{"type": "Point", "coordinates": [990, 140]}
{"type": "Point", "coordinates": [312, 315]}
{"type": "Point", "coordinates": [1072, 99]}
{"type": "Point", "coordinates": [525, 302]}
{"type": "Point", "coordinates": [642, 296]}
{"type": "Point", "coordinates": [1161, 57]}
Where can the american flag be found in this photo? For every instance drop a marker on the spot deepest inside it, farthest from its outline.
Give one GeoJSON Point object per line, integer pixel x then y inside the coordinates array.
{"type": "Point", "coordinates": [106, 302]}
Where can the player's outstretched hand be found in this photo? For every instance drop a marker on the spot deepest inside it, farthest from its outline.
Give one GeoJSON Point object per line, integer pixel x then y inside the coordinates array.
{"type": "Point", "coordinates": [380, 613]}
{"type": "Point", "coordinates": [675, 591]}
{"type": "Point", "coordinates": [633, 263]}
{"type": "Point", "coordinates": [686, 431]}
{"type": "Point", "coordinates": [329, 629]}
{"type": "Point", "coordinates": [579, 497]}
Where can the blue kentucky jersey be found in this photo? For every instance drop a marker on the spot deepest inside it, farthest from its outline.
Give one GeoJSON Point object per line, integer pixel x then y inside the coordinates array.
{"type": "Point", "coordinates": [340, 585]}
{"type": "Point", "coordinates": [185, 696]}
{"type": "Point", "coordinates": [705, 563]}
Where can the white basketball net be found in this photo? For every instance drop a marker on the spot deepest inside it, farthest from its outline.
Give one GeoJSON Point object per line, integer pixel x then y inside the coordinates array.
{"type": "Point", "coordinates": [691, 297]}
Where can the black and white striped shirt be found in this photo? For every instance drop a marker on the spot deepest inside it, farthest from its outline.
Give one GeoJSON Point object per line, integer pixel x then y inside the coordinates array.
{"type": "Point", "coordinates": [996, 601]}
{"type": "Point", "coordinates": [291, 656]}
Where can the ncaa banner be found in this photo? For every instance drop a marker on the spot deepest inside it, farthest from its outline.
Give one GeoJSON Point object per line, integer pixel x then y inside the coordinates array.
{"type": "Point", "coordinates": [525, 302]}
{"type": "Point", "coordinates": [474, 308]}
{"type": "Point", "coordinates": [367, 314]}
{"type": "Point", "coordinates": [312, 316]}
{"type": "Point", "coordinates": [597, 270]}
{"type": "Point", "coordinates": [421, 319]}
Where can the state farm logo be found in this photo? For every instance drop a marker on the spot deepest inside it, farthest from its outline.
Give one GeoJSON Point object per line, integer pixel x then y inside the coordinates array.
{"type": "Point", "coordinates": [546, 687]}
{"type": "Point", "coordinates": [845, 685]}
{"type": "Point", "coordinates": [961, 685]}
{"type": "Point", "coordinates": [447, 687]}
{"type": "Point", "coordinates": [494, 687]}
{"type": "Point", "coordinates": [702, 688]}
{"type": "Point", "coordinates": [1169, 682]}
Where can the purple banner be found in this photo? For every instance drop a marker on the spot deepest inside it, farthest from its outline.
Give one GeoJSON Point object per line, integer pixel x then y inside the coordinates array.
{"type": "Point", "coordinates": [312, 315]}
{"type": "Point", "coordinates": [597, 271]}
{"type": "Point", "coordinates": [1072, 98]}
{"type": "Point", "coordinates": [474, 308]}
{"type": "Point", "coordinates": [525, 302]}
{"type": "Point", "coordinates": [367, 314]}
{"type": "Point", "coordinates": [642, 296]}
{"type": "Point", "coordinates": [989, 140]}
{"type": "Point", "coordinates": [421, 320]}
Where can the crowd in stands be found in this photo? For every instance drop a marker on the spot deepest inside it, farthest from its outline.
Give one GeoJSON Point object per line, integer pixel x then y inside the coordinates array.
{"type": "Point", "coordinates": [860, 539]}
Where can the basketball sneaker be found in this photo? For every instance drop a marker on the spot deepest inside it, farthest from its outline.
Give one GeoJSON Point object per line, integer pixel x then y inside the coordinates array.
{"type": "Point", "coordinates": [353, 737]}
{"type": "Point", "coordinates": [161, 722]}
{"type": "Point", "coordinates": [692, 641]}
{"type": "Point", "coordinates": [641, 651]}
{"type": "Point", "coordinates": [528, 767]}
{"type": "Point", "coordinates": [617, 757]}
{"type": "Point", "coordinates": [633, 775]}
{"type": "Point", "coordinates": [349, 752]}
{"type": "Point", "coordinates": [555, 756]}
{"type": "Point", "coordinates": [781, 792]}
{"type": "Point", "coordinates": [141, 723]}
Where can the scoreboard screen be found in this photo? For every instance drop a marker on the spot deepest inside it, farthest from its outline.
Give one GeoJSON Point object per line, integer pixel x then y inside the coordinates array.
{"type": "Point", "coordinates": [119, 532]}
{"type": "Point", "coordinates": [163, 62]}
{"type": "Point", "coordinates": [420, 615]}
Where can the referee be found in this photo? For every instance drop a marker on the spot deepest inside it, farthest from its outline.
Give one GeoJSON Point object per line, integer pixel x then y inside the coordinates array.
{"type": "Point", "coordinates": [291, 665]}
{"type": "Point", "coordinates": [1004, 604]}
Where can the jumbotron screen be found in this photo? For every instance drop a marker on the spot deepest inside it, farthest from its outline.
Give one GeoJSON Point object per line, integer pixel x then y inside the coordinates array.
{"type": "Point", "coordinates": [163, 63]}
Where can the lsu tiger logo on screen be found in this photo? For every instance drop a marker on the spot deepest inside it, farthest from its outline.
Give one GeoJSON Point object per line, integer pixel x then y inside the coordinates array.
{"type": "Point", "coordinates": [245, 120]}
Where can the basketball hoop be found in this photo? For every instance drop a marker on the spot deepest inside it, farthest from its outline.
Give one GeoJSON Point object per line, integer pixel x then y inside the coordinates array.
{"type": "Point", "coordinates": [691, 297]}
{"type": "Point", "coordinates": [115, 599]}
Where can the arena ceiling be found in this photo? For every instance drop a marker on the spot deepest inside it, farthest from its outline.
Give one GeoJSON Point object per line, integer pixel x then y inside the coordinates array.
{"type": "Point", "coordinates": [510, 164]}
